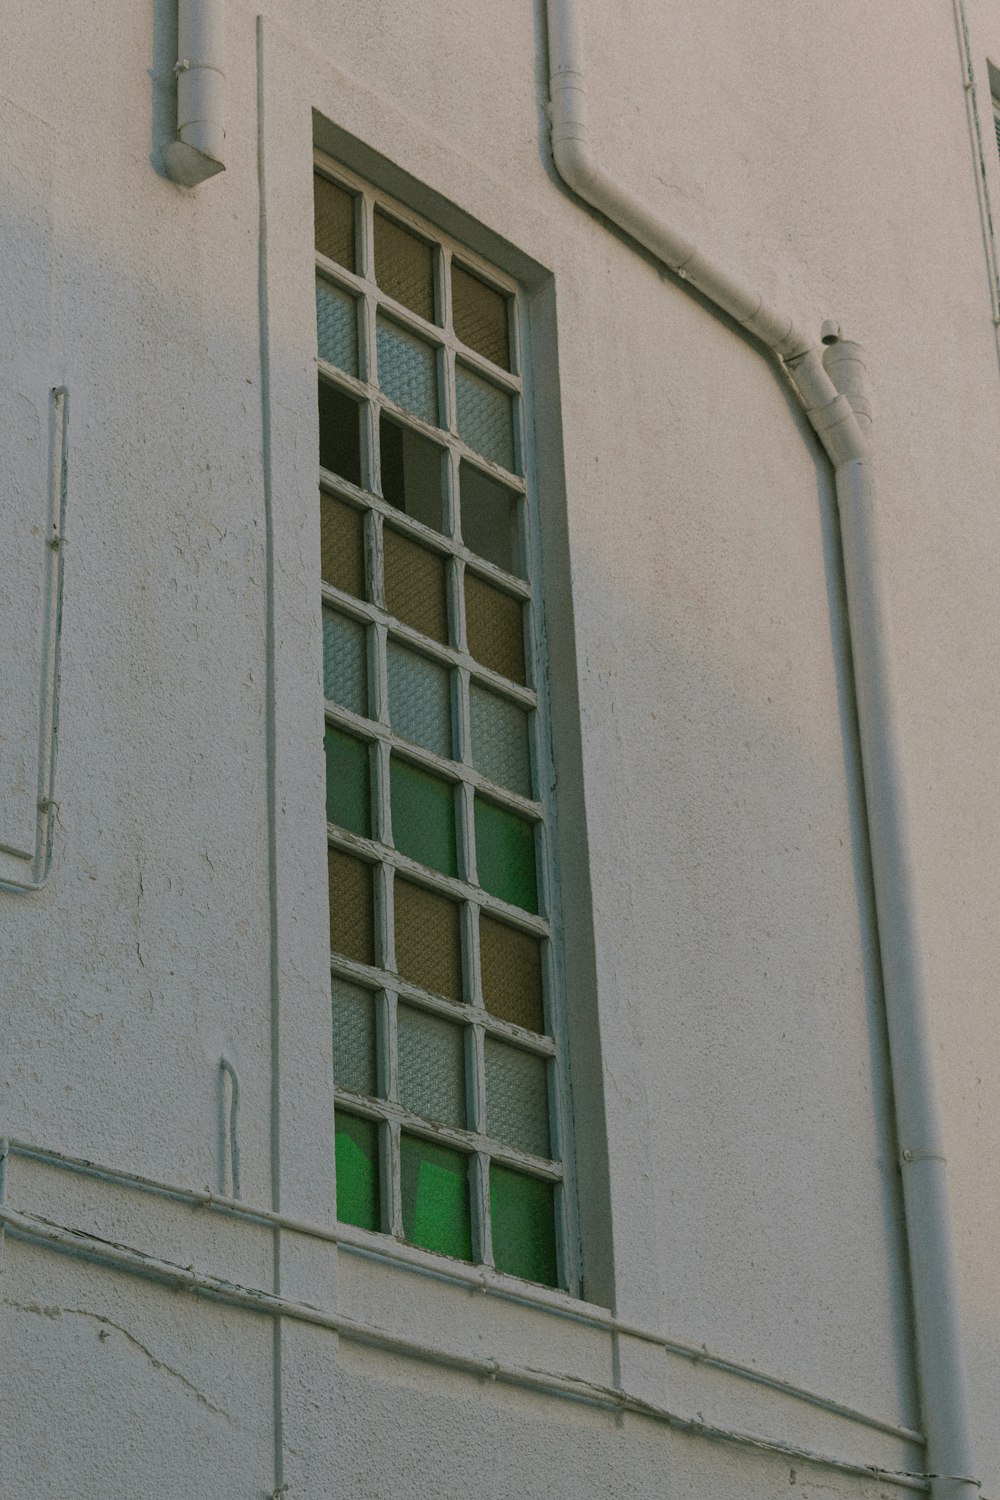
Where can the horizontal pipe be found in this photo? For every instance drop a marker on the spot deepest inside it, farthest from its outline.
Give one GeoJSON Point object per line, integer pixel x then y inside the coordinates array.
{"type": "Point", "coordinates": [550, 1302]}
{"type": "Point", "coordinates": [132, 1261]}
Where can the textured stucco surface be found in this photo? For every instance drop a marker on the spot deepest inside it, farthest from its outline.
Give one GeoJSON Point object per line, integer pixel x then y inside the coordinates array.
{"type": "Point", "coordinates": [710, 791]}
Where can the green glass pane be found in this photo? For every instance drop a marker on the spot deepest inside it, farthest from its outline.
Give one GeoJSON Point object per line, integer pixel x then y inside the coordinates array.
{"type": "Point", "coordinates": [517, 1098]}
{"type": "Point", "coordinates": [423, 816]}
{"type": "Point", "coordinates": [431, 1066]}
{"type": "Point", "coordinates": [345, 662]}
{"type": "Point", "coordinates": [419, 699]}
{"type": "Point", "coordinates": [435, 1191]}
{"type": "Point", "coordinates": [348, 789]}
{"type": "Point", "coordinates": [505, 855]}
{"type": "Point", "coordinates": [489, 519]}
{"type": "Point", "coordinates": [357, 1171]}
{"type": "Point", "coordinates": [500, 740]}
{"type": "Point", "coordinates": [485, 417]}
{"type": "Point", "coordinates": [354, 1065]}
{"type": "Point", "coordinates": [407, 370]}
{"type": "Point", "coordinates": [523, 1221]}
{"type": "Point", "coordinates": [336, 326]}
{"type": "Point", "coordinates": [339, 433]}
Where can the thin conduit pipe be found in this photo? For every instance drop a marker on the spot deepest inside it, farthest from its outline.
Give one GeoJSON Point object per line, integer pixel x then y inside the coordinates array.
{"type": "Point", "coordinates": [844, 435]}
{"type": "Point", "coordinates": [125, 1258]}
{"type": "Point", "coordinates": [48, 721]}
{"type": "Point", "coordinates": [470, 1279]}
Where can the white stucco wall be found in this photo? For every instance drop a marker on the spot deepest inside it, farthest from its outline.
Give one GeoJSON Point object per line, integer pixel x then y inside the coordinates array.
{"type": "Point", "coordinates": [729, 1056]}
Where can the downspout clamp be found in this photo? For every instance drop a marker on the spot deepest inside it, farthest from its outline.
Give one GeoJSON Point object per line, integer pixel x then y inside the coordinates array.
{"type": "Point", "coordinates": [830, 384]}
{"type": "Point", "coordinates": [198, 151]}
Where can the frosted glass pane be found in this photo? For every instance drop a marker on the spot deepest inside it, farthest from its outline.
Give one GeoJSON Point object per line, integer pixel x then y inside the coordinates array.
{"type": "Point", "coordinates": [342, 545]}
{"type": "Point", "coordinates": [511, 973]}
{"type": "Point", "coordinates": [336, 327]}
{"type": "Point", "coordinates": [334, 222]}
{"type": "Point", "coordinates": [428, 940]}
{"type": "Point", "coordinates": [352, 907]}
{"type": "Point", "coordinates": [495, 626]}
{"type": "Point", "coordinates": [354, 1065]}
{"type": "Point", "coordinates": [357, 1170]}
{"type": "Point", "coordinates": [500, 740]}
{"type": "Point", "coordinates": [505, 855]}
{"type": "Point", "coordinates": [412, 472]}
{"type": "Point", "coordinates": [345, 662]}
{"type": "Point", "coordinates": [485, 417]}
{"type": "Point", "coordinates": [435, 1190]}
{"type": "Point", "coordinates": [407, 370]}
{"type": "Point", "coordinates": [480, 317]}
{"type": "Point", "coordinates": [339, 433]}
{"type": "Point", "coordinates": [517, 1105]}
{"type": "Point", "coordinates": [489, 519]}
{"type": "Point", "coordinates": [431, 1066]}
{"type": "Point", "coordinates": [423, 816]}
{"type": "Point", "coordinates": [419, 699]}
{"type": "Point", "coordinates": [404, 266]}
{"type": "Point", "coordinates": [522, 1215]}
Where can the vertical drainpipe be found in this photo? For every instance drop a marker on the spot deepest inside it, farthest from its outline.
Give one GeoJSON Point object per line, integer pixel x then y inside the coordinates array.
{"type": "Point", "coordinates": [830, 387]}
{"type": "Point", "coordinates": [198, 152]}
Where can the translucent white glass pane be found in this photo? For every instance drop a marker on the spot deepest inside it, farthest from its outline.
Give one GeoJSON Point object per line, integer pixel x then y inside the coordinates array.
{"type": "Point", "coordinates": [431, 1066]}
{"type": "Point", "coordinates": [517, 1105]}
{"type": "Point", "coordinates": [345, 662]}
{"type": "Point", "coordinates": [500, 740]}
{"type": "Point", "coordinates": [485, 417]}
{"type": "Point", "coordinates": [336, 327]}
{"type": "Point", "coordinates": [354, 1038]}
{"type": "Point", "coordinates": [419, 699]}
{"type": "Point", "coordinates": [407, 370]}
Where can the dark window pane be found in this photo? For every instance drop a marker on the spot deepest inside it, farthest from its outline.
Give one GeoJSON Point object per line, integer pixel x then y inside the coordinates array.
{"type": "Point", "coordinates": [357, 1171]}
{"type": "Point", "coordinates": [407, 370]}
{"type": "Point", "coordinates": [500, 740]}
{"type": "Point", "coordinates": [352, 907]}
{"type": "Point", "coordinates": [415, 585]}
{"type": "Point", "coordinates": [404, 266]}
{"type": "Point", "coordinates": [428, 940]}
{"type": "Point", "coordinates": [435, 1189]}
{"type": "Point", "coordinates": [489, 519]}
{"type": "Point", "coordinates": [480, 317]}
{"type": "Point", "coordinates": [345, 662]}
{"type": "Point", "coordinates": [336, 326]}
{"type": "Point", "coordinates": [523, 1220]}
{"type": "Point", "coordinates": [517, 1098]}
{"type": "Point", "coordinates": [505, 855]}
{"type": "Point", "coordinates": [334, 222]}
{"type": "Point", "coordinates": [342, 545]}
{"type": "Point", "coordinates": [419, 699]}
{"type": "Point", "coordinates": [412, 472]}
{"type": "Point", "coordinates": [339, 433]}
{"type": "Point", "coordinates": [354, 1065]}
{"type": "Point", "coordinates": [485, 417]}
{"type": "Point", "coordinates": [494, 621]}
{"type": "Point", "coordinates": [423, 816]}
{"type": "Point", "coordinates": [511, 973]}
{"type": "Point", "coordinates": [348, 789]}
{"type": "Point", "coordinates": [431, 1066]}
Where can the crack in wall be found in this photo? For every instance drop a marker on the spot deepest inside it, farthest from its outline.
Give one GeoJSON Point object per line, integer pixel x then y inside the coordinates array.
{"type": "Point", "coordinates": [54, 1310]}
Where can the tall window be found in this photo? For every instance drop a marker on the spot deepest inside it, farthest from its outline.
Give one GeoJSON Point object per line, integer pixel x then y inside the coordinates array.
{"type": "Point", "coordinates": [450, 1094]}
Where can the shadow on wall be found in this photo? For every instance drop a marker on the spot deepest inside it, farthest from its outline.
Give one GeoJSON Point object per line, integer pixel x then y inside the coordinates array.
{"type": "Point", "coordinates": [163, 92]}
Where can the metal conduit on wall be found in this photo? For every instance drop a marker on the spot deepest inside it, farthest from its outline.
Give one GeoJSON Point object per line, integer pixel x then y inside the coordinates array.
{"type": "Point", "coordinates": [831, 391]}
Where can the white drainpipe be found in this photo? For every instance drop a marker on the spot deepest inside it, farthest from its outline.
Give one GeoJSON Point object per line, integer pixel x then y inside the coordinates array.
{"type": "Point", "coordinates": [831, 389]}
{"type": "Point", "coordinates": [199, 150]}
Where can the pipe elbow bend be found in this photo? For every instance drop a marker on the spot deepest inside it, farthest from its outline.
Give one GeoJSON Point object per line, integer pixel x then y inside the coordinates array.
{"type": "Point", "coordinates": [187, 165]}
{"type": "Point", "coordinates": [574, 163]}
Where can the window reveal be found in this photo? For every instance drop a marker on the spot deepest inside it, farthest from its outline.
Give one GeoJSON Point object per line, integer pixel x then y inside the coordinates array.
{"type": "Point", "coordinates": [448, 1086]}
